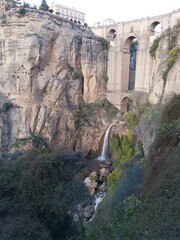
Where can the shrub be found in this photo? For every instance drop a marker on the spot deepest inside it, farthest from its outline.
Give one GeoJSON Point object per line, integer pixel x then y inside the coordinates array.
{"type": "Point", "coordinates": [154, 47]}
{"type": "Point", "coordinates": [21, 141]}
{"type": "Point", "coordinates": [76, 75]}
{"type": "Point", "coordinates": [130, 204]}
{"type": "Point", "coordinates": [121, 148]}
{"type": "Point", "coordinates": [51, 10]}
{"type": "Point", "coordinates": [70, 68]}
{"type": "Point", "coordinates": [172, 57]}
{"type": "Point", "coordinates": [82, 114]}
{"type": "Point", "coordinates": [38, 196]}
{"type": "Point", "coordinates": [127, 146]}
{"type": "Point", "coordinates": [37, 141]}
{"type": "Point", "coordinates": [113, 178]}
{"type": "Point", "coordinates": [104, 43]}
{"type": "Point", "coordinates": [22, 11]}
{"type": "Point", "coordinates": [109, 107]}
{"type": "Point", "coordinates": [171, 110]}
{"type": "Point", "coordinates": [6, 107]}
{"type": "Point", "coordinates": [173, 53]}
{"type": "Point", "coordinates": [115, 147]}
{"type": "Point", "coordinates": [105, 78]}
{"type": "Point", "coordinates": [130, 119]}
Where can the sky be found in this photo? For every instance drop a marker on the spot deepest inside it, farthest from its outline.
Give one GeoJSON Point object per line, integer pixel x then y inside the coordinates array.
{"type": "Point", "coordinates": [99, 10]}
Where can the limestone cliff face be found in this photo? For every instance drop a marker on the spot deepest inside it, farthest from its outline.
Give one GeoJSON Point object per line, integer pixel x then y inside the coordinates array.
{"type": "Point", "coordinates": [163, 89]}
{"type": "Point", "coordinates": [48, 66]}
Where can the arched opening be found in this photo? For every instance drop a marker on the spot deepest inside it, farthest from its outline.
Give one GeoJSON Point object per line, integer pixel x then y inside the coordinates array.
{"type": "Point", "coordinates": [75, 21]}
{"type": "Point", "coordinates": [126, 104]}
{"type": "Point", "coordinates": [132, 65]}
{"type": "Point", "coordinates": [111, 35]}
{"type": "Point", "coordinates": [129, 63]}
{"type": "Point", "coordinates": [79, 22]}
{"type": "Point", "coordinates": [155, 29]}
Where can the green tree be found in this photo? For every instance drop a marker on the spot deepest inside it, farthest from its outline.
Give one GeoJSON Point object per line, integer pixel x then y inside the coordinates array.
{"type": "Point", "coordinates": [26, 5]}
{"type": "Point", "coordinates": [39, 195]}
{"type": "Point", "coordinates": [44, 6]}
{"type": "Point", "coordinates": [34, 7]}
{"type": "Point", "coordinates": [127, 146]}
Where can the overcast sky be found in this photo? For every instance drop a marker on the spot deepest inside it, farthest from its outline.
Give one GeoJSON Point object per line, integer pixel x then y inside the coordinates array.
{"type": "Point", "coordinates": [99, 10]}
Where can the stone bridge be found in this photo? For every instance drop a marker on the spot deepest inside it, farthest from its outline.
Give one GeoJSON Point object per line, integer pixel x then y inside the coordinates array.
{"type": "Point", "coordinates": [129, 61]}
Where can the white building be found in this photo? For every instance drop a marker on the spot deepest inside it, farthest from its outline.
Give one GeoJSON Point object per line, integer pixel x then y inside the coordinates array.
{"type": "Point", "coordinates": [9, 5]}
{"type": "Point", "coordinates": [69, 13]}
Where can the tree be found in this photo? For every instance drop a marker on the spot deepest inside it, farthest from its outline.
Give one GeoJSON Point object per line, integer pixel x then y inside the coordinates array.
{"type": "Point", "coordinates": [44, 6]}
{"type": "Point", "coordinates": [51, 10]}
{"type": "Point", "coordinates": [26, 5]}
{"type": "Point", "coordinates": [34, 7]}
{"type": "Point", "coordinates": [40, 192]}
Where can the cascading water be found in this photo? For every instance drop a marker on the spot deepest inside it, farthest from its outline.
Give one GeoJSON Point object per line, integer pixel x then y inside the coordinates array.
{"type": "Point", "coordinates": [103, 157]}
{"type": "Point", "coordinates": [98, 199]}
{"type": "Point", "coordinates": [104, 153]}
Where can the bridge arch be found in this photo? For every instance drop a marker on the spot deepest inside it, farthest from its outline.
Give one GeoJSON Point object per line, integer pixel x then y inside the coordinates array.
{"type": "Point", "coordinates": [145, 30]}
{"type": "Point", "coordinates": [130, 48]}
{"type": "Point", "coordinates": [124, 104]}
{"type": "Point", "coordinates": [111, 34]}
{"type": "Point", "coordinates": [155, 28]}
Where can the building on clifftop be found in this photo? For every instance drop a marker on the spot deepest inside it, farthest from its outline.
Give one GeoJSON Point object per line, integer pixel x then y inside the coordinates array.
{"type": "Point", "coordinates": [7, 5]}
{"type": "Point", "coordinates": [69, 13]}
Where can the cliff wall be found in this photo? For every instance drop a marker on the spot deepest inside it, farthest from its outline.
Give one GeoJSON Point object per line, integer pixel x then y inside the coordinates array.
{"type": "Point", "coordinates": [49, 67]}
{"type": "Point", "coordinates": [165, 67]}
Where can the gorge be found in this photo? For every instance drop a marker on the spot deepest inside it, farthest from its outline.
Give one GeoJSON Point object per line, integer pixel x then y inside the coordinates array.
{"type": "Point", "coordinates": [55, 120]}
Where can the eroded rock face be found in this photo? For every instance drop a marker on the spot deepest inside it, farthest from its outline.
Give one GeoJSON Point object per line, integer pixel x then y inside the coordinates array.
{"type": "Point", "coordinates": [48, 67]}
{"type": "Point", "coordinates": [161, 90]}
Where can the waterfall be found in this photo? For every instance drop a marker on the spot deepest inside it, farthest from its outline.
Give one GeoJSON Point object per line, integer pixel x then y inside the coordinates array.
{"type": "Point", "coordinates": [98, 199]}
{"type": "Point", "coordinates": [104, 153]}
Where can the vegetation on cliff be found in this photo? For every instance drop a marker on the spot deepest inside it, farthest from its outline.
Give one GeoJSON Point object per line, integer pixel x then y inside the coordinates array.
{"type": "Point", "coordinates": [149, 210]}
{"type": "Point", "coordinates": [6, 107]}
{"type": "Point", "coordinates": [171, 59]}
{"type": "Point", "coordinates": [40, 190]}
{"type": "Point", "coordinates": [154, 47]}
{"type": "Point", "coordinates": [39, 193]}
{"type": "Point", "coordinates": [173, 48]}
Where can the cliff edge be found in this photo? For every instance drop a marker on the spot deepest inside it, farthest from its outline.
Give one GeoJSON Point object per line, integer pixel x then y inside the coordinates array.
{"type": "Point", "coordinates": [49, 68]}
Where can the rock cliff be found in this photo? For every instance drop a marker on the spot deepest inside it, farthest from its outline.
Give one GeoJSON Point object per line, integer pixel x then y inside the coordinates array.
{"type": "Point", "coordinates": [165, 67]}
{"type": "Point", "coordinates": [50, 68]}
